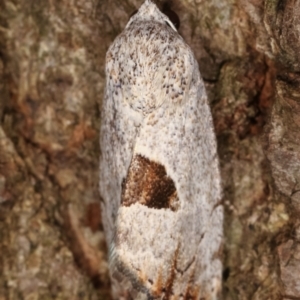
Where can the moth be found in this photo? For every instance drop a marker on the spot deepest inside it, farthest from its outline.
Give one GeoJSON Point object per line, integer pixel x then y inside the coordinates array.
{"type": "Point", "coordinates": [159, 173]}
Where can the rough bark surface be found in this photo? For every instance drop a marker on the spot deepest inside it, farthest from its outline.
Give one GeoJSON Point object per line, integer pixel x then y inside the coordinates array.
{"type": "Point", "coordinates": [51, 84]}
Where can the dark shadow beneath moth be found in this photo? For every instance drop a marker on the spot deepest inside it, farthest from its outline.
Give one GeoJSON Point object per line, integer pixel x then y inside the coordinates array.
{"type": "Point", "coordinates": [171, 15]}
{"type": "Point", "coordinates": [148, 183]}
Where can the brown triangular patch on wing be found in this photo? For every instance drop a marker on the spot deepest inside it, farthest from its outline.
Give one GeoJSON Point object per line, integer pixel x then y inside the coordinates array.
{"type": "Point", "coordinates": [148, 183]}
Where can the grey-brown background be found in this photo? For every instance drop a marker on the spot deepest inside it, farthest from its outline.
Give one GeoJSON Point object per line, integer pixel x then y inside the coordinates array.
{"type": "Point", "coordinates": [52, 56]}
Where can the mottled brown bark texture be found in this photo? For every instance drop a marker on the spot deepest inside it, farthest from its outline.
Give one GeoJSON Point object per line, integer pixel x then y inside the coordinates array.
{"type": "Point", "coordinates": [51, 84]}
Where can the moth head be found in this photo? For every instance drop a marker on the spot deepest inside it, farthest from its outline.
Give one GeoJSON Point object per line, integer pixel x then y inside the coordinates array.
{"type": "Point", "coordinates": [150, 12]}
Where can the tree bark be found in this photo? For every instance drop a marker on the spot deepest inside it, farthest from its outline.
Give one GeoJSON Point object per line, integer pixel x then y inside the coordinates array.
{"type": "Point", "coordinates": [52, 56]}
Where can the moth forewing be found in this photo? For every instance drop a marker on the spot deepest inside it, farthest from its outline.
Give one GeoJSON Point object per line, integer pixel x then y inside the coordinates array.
{"type": "Point", "coordinates": [159, 174]}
